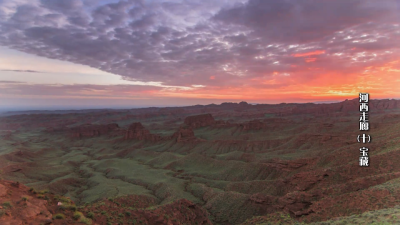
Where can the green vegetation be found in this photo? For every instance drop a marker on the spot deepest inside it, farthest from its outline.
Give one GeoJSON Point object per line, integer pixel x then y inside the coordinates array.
{"type": "Point", "coordinates": [86, 221]}
{"type": "Point", "coordinates": [43, 192]}
{"type": "Point", "coordinates": [33, 191]}
{"type": "Point", "coordinates": [40, 196]}
{"type": "Point", "coordinates": [90, 215]}
{"type": "Point", "coordinates": [376, 217]}
{"type": "Point", "coordinates": [7, 205]}
{"type": "Point", "coordinates": [77, 215]}
{"type": "Point", "coordinates": [59, 216]}
{"type": "Point", "coordinates": [68, 207]}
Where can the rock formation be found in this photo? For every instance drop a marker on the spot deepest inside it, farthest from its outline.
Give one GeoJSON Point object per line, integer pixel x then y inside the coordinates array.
{"type": "Point", "coordinates": [92, 130]}
{"type": "Point", "coordinates": [252, 125]}
{"type": "Point", "coordinates": [137, 131]}
{"type": "Point", "coordinates": [184, 135]}
{"type": "Point", "coordinates": [199, 121]}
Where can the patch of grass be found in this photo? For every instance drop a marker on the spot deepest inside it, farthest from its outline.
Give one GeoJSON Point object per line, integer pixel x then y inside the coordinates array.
{"type": "Point", "coordinates": [62, 199]}
{"type": "Point", "coordinates": [377, 217]}
{"type": "Point", "coordinates": [77, 215]}
{"type": "Point", "coordinates": [90, 215]}
{"type": "Point", "coordinates": [7, 205]}
{"type": "Point", "coordinates": [59, 216]}
{"type": "Point", "coordinates": [68, 207]}
{"type": "Point", "coordinates": [40, 196]}
{"type": "Point", "coordinates": [86, 221]}
{"type": "Point", "coordinates": [43, 192]}
{"type": "Point", "coordinates": [33, 191]}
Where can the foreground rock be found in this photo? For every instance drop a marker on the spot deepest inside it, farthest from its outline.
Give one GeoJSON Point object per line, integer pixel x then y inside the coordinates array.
{"type": "Point", "coordinates": [22, 205]}
{"type": "Point", "coordinates": [178, 212]}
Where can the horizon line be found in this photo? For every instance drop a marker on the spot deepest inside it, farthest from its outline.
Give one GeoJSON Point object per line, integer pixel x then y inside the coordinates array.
{"type": "Point", "coordinates": [79, 108]}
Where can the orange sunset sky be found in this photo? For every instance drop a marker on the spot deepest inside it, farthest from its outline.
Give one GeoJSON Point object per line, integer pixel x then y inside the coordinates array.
{"type": "Point", "coordinates": [60, 54]}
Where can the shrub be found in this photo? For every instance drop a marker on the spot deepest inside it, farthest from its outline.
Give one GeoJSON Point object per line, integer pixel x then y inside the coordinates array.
{"type": "Point", "coordinates": [62, 199]}
{"type": "Point", "coordinates": [90, 215]}
{"type": "Point", "coordinates": [68, 207]}
{"type": "Point", "coordinates": [59, 216]}
{"type": "Point", "coordinates": [77, 215]}
{"type": "Point", "coordinates": [25, 198]}
{"type": "Point", "coordinates": [40, 196]}
{"type": "Point", "coordinates": [127, 213]}
{"type": "Point", "coordinates": [86, 221]}
{"type": "Point", "coordinates": [7, 205]}
{"type": "Point", "coordinates": [43, 192]}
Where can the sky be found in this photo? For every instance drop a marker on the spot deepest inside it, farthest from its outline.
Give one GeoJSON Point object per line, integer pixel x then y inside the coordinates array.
{"type": "Point", "coordinates": [137, 53]}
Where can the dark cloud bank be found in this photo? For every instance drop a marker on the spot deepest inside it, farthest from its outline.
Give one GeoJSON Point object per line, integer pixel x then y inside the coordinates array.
{"type": "Point", "coordinates": [184, 43]}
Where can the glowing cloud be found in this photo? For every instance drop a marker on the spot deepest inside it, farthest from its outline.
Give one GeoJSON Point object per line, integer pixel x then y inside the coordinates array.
{"type": "Point", "coordinates": [319, 52]}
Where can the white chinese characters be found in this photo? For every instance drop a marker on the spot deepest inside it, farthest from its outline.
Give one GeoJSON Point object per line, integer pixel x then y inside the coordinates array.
{"type": "Point", "coordinates": [364, 126]}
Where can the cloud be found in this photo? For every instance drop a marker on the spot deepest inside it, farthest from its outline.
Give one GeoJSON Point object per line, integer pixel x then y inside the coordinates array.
{"type": "Point", "coordinates": [23, 71]}
{"type": "Point", "coordinates": [291, 21]}
{"type": "Point", "coordinates": [10, 82]}
{"type": "Point", "coordinates": [309, 53]}
{"type": "Point", "coordinates": [13, 88]}
{"type": "Point", "coordinates": [62, 5]}
{"type": "Point", "coordinates": [215, 44]}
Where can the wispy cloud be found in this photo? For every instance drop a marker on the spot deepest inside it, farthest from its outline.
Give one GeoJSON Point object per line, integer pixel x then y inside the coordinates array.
{"type": "Point", "coordinates": [23, 71]}
{"type": "Point", "coordinates": [10, 82]}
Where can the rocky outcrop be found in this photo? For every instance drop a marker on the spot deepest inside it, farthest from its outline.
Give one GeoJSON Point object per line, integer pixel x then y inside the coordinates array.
{"type": "Point", "coordinates": [137, 131]}
{"type": "Point", "coordinates": [384, 104]}
{"type": "Point", "coordinates": [19, 206]}
{"type": "Point", "coordinates": [92, 130]}
{"type": "Point", "coordinates": [297, 203]}
{"type": "Point", "coordinates": [177, 212]}
{"type": "Point", "coordinates": [184, 135]}
{"type": "Point", "coordinates": [199, 121]}
{"type": "Point", "coordinates": [252, 125]}
{"type": "Point", "coordinates": [222, 124]}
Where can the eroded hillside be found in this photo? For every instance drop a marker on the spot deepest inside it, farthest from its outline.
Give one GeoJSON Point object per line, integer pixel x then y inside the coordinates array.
{"type": "Point", "coordinates": [239, 163]}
